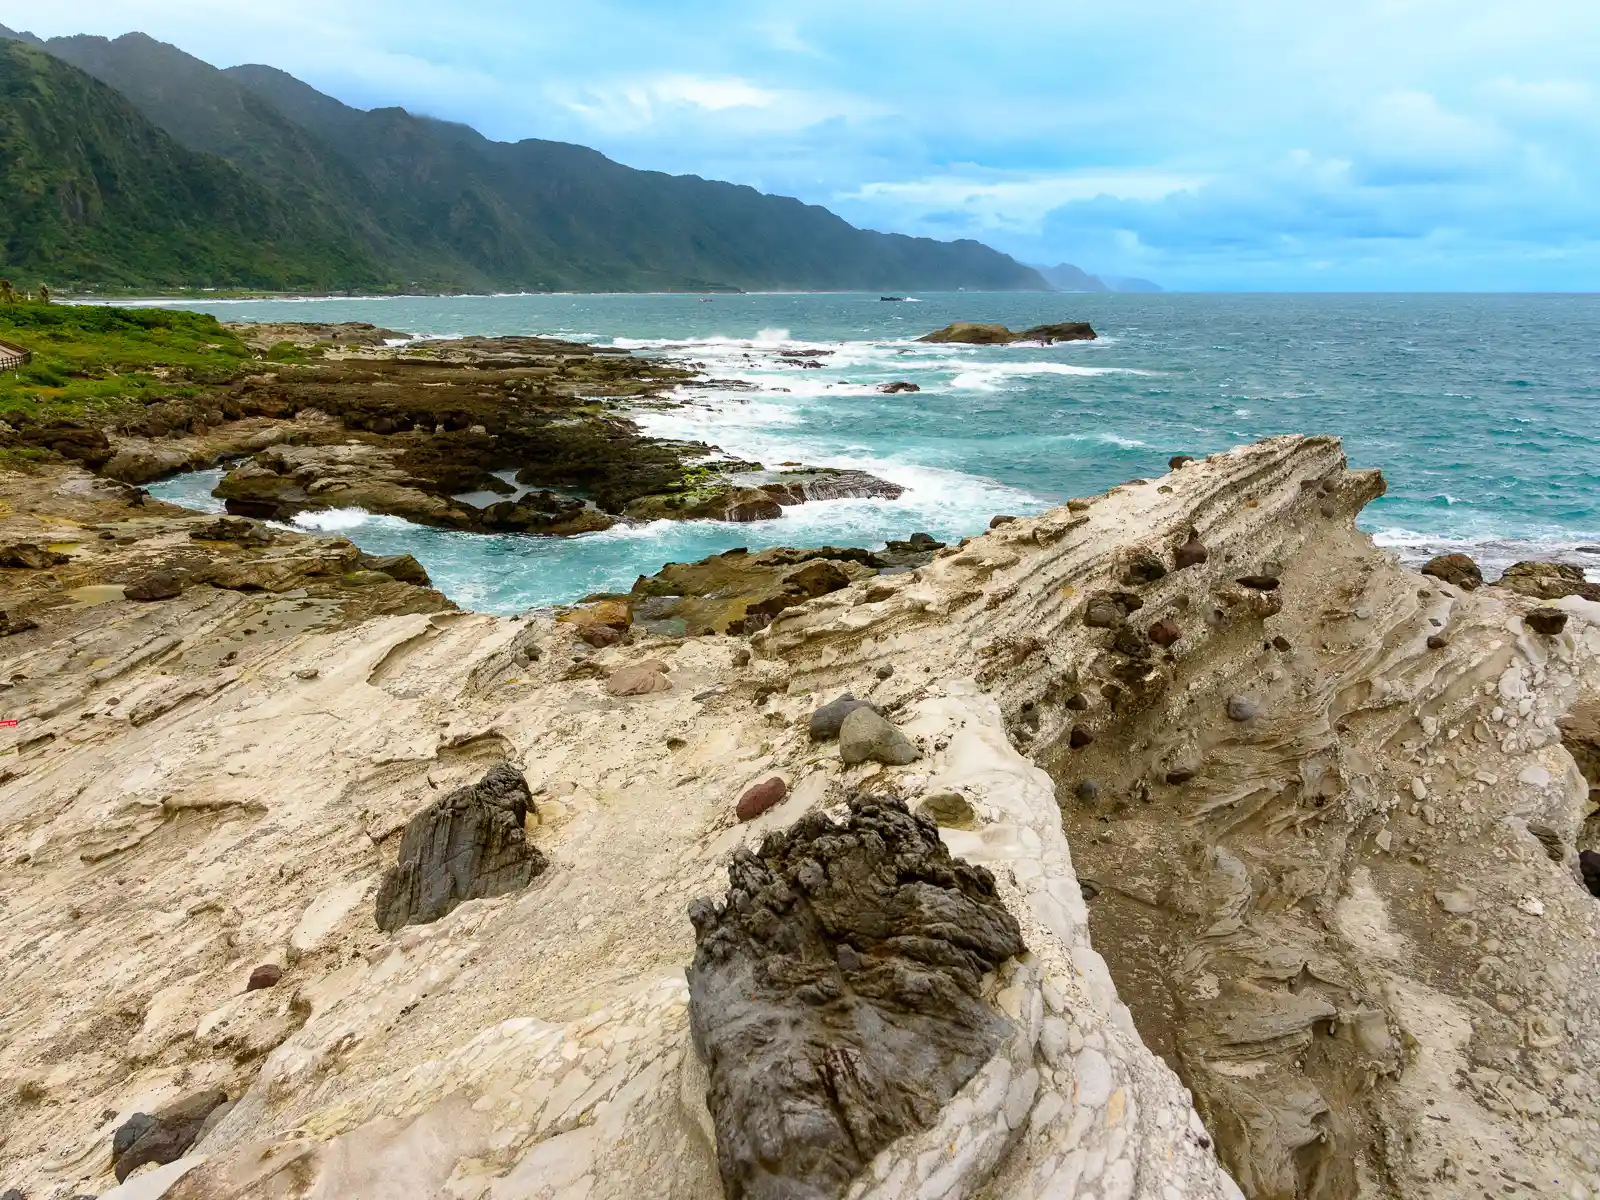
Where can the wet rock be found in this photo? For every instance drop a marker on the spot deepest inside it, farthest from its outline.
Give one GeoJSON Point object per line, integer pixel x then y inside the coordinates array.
{"type": "Point", "coordinates": [264, 976]}
{"type": "Point", "coordinates": [1145, 568]}
{"type": "Point", "coordinates": [830, 483]}
{"type": "Point", "coordinates": [996, 522]}
{"type": "Point", "coordinates": [1258, 583]}
{"type": "Point", "coordinates": [156, 585]}
{"type": "Point", "coordinates": [11, 624]}
{"type": "Point", "coordinates": [761, 797]}
{"type": "Point", "coordinates": [164, 1137]}
{"type": "Point", "coordinates": [1165, 632]}
{"type": "Point", "coordinates": [640, 679]}
{"type": "Point", "coordinates": [464, 846]}
{"type": "Point", "coordinates": [973, 333]}
{"type": "Point", "coordinates": [1548, 621]}
{"type": "Point", "coordinates": [900, 385]}
{"type": "Point", "coordinates": [1179, 461]}
{"type": "Point", "coordinates": [1458, 570]}
{"type": "Point", "coordinates": [1243, 708]}
{"type": "Point", "coordinates": [826, 721]}
{"type": "Point", "coordinates": [1438, 641]}
{"type": "Point", "coordinates": [834, 996]}
{"type": "Point", "coordinates": [865, 736]}
{"type": "Point", "coordinates": [1547, 581]}
{"type": "Point", "coordinates": [1191, 554]}
{"type": "Point", "coordinates": [27, 556]}
{"type": "Point", "coordinates": [741, 592]}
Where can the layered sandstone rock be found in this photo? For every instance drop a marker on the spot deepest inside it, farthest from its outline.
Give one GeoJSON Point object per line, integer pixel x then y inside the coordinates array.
{"type": "Point", "coordinates": [1337, 921]}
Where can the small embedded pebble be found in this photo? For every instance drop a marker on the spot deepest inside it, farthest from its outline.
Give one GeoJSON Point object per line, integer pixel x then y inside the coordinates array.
{"type": "Point", "coordinates": [307, 673]}
{"type": "Point", "coordinates": [264, 976]}
{"type": "Point", "coordinates": [885, 671]}
{"type": "Point", "coordinates": [1080, 738]}
{"type": "Point", "coordinates": [1165, 632]}
{"type": "Point", "coordinates": [1077, 702]}
{"type": "Point", "coordinates": [1179, 461]}
{"type": "Point", "coordinates": [1180, 776]}
{"type": "Point", "coordinates": [1258, 583]}
{"type": "Point", "coordinates": [1438, 642]}
{"type": "Point", "coordinates": [996, 522]}
{"type": "Point", "coordinates": [762, 796]}
{"type": "Point", "coordinates": [741, 657]}
{"type": "Point", "coordinates": [1282, 644]}
{"type": "Point", "coordinates": [1088, 790]}
{"type": "Point", "coordinates": [1243, 708]}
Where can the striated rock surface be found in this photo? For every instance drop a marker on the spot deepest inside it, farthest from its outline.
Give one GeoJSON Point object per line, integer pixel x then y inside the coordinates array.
{"type": "Point", "coordinates": [1342, 948]}
{"type": "Point", "coordinates": [464, 846]}
{"type": "Point", "coordinates": [836, 996]}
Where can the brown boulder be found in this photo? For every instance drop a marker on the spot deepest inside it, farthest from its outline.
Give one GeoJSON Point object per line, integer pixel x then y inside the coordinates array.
{"type": "Point", "coordinates": [1458, 570]}
{"type": "Point", "coordinates": [1547, 581]}
{"type": "Point", "coordinates": [1548, 621]}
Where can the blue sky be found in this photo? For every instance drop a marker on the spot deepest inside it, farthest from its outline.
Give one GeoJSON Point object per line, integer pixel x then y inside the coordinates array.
{"type": "Point", "coordinates": [1231, 144]}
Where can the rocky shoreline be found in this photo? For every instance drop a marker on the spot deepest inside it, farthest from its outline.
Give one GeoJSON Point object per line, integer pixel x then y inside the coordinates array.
{"type": "Point", "coordinates": [1172, 842]}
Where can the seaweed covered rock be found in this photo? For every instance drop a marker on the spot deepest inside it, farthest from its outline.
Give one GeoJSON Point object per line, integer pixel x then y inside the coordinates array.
{"type": "Point", "coordinates": [464, 846]}
{"type": "Point", "coordinates": [835, 995]}
{"type": "Point", "coordinates": [1548, 581]}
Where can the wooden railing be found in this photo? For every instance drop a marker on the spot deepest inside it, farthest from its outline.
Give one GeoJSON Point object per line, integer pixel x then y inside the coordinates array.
{"type": "Point", "coordinates": [12, 357]}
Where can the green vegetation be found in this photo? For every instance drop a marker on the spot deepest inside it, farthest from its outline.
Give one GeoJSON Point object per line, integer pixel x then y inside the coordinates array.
{"type": "Point", "coordinates": [89, 359]}
{"type": "Point", "coordinates": [187, 175]}
{"type": "Point", "coordinates": [94, 193]}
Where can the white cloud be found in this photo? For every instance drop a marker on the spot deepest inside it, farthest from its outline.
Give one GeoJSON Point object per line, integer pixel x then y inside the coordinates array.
{"type": "Point", "coordinates": [1016, 201]}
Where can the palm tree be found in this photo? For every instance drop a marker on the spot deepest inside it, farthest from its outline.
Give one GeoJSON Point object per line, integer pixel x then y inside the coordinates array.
{"type": "Point", "coordinates": [44, 294]}
{"type": "Point", "coordinates": [7, 294]}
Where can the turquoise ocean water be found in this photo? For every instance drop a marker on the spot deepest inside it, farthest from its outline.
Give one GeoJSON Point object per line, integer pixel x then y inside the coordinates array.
{"type": "Point", "coordinates": [1482, 411]}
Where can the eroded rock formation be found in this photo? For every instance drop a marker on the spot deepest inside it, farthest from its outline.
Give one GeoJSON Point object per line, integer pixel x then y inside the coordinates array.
{"type": "Point", "coordinates": [1356, 911]}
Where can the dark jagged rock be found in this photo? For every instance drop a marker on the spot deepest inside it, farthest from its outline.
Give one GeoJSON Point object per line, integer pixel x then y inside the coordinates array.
{"type": "Point", "coordinates": [901, 385]}
{"type": "Point", "coordinates": [1107, 610]}
{"type": "Point", "coordinates": [544, 512]}
{"type": "Point", "coordinates": [1080, 737]}
{"type": "Point", "coordinates": [996, 522]}
{"type": "Point", "coordinates": [1437, 641]}
{"type": "Point", "coordinates": [25, 555]}
{"type": "Point", "coordinates": [829, 483]}
{"type": "Point", "coordinates": [1191, 554]}
{"type": "Point", "coordinates": [827, 720]}
{"type": "Point", "coordinates": [866, 736]}
{"type": "Point", "coordinates": [835, 996]}
{"type": "Point", "coordinates": [1456, 569]}
{"type": "Point", "coordinates": [164, 1137]}
{"type": "Point", "coordinates": [464, 846]}
{"type": "Point", "coordinates": [1589, 865]}
{"type": "Point", "coordinates": [1548, 621]}
{"type": "Point", "coordinates": [156, 585]}
{"type": "Point", "coordinates": [1178, 461]}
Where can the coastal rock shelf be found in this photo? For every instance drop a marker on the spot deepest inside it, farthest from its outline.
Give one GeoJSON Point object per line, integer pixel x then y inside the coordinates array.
{"type": "Point", "coordinates": [1293, 871]}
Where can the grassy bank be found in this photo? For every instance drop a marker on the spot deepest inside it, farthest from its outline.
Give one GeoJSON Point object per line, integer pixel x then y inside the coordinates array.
{"type": "Point", "coordinates": [91, 359]}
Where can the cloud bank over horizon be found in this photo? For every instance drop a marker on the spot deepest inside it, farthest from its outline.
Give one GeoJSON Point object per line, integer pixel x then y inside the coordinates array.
{"type": "Point", "coordinates": [1246, 144]}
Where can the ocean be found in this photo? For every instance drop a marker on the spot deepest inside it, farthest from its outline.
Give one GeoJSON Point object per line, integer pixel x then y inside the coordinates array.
{"type": "Point", "coordinates": [1482, 411]}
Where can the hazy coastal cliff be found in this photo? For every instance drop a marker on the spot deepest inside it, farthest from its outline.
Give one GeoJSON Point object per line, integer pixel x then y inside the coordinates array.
{"type": "Point", "coordinates": [1221, 794]}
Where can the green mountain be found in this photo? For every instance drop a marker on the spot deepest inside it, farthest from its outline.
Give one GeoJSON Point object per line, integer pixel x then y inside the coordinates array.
{"type": "Point", "coordinates": [95, 193]}
{"type": "Point", "coordinates": [431, 204]}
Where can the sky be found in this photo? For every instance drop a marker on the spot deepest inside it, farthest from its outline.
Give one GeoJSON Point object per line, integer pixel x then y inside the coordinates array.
{"type": "Point", "coordinates": [1225, 144]}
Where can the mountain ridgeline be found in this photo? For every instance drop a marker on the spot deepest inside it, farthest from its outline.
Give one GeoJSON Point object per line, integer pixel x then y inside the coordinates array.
{"type": "Point", "coordinates": [129, 163]}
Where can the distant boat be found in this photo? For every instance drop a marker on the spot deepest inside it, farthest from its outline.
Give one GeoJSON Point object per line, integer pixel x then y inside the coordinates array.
{"type": "Point", "coordinates": [892, 299]}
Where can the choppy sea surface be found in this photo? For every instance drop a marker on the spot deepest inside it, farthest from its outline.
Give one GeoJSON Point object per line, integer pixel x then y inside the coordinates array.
{"type": "Point", "coordinates": [1482, 411]}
